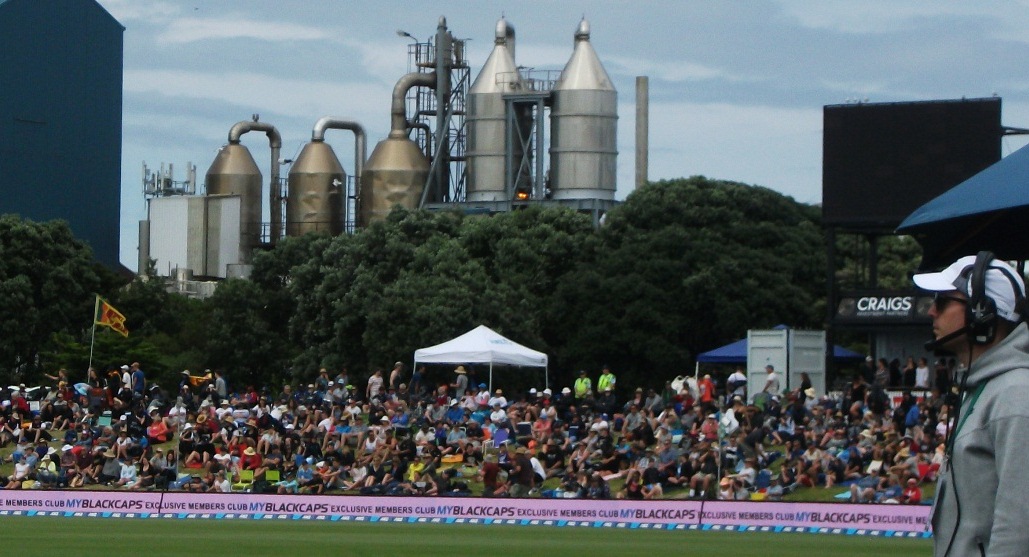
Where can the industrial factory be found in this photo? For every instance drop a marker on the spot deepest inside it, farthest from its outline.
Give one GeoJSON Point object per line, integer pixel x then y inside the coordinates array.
{"type": "Point", "coordinates": [478, 146]}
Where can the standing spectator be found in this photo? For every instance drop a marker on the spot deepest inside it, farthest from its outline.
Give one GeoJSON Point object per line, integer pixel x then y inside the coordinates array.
{"type": "Point", "coordinates": [396, 375]}
{"type": "Point", "coordinates": [882, 374]}
{"type": "Point", "coordinates": [707, 393]}
{"type": "Point", "coordinates": [460, 384]}
{"type": "Point", "coordinates": [138, 379]}
{"type": "Point", "coordinates": [583, 386]}
{"type": "Point", "coordinates": [374, 385]}
{"type": "Point", "coordinates": [805, 390]}
{"type": "Point", "coordinates": [607, 380]}
{"type": "Point", "coordinates": [522, 474]}
{"type": "Point", "coordinates": [908, 373]}
{"type": "Point", "coordinates": [417, 382]}
{"type": "Point", "coordinates": [126, 377]}
{"type": "Point", "coordinates": [220, 386]}
{"type": "Point", "coordinates": [772, 384]}
{"type": "Point", "coordinates": [736, 385]}
{"type": "Point", "coordinates": [922, 374]}
{"type": "Point", "coordinates": [321, 384]}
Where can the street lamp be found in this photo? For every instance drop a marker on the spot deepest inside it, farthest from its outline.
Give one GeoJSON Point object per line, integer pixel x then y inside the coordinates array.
{"type": "Point", "coordinates": [405, 34]}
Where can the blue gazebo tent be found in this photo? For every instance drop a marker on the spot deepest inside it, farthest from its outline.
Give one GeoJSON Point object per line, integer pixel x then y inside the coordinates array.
{"type": "Point", "coordinates": [736, 353]}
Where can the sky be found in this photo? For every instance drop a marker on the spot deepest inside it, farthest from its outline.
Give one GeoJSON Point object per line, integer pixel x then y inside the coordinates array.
{"type": "Point", "coordinates": [736, 88]}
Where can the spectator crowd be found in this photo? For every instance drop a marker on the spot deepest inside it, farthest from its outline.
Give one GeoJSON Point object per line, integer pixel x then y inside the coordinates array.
{"type": "Point", "coordinates": [397, 434]}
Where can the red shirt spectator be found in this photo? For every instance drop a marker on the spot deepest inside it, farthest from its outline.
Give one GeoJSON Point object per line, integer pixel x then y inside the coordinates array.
{"type": "Point", "coordinates": [707, 390]}
{"type": "Point", "coordinates": [912, 494]}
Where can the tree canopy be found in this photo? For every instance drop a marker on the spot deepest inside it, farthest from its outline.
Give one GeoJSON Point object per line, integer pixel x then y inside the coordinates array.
{"type": "Point", "coordinates": [47, 282]}
{"type": "Point", "coordinates": [680, 267]}
{"type": "Point", "coordinates": [685, 266]}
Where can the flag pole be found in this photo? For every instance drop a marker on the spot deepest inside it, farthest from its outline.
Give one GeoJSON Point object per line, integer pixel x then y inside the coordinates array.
{"type": "Point", "coordinates": [92, 336]}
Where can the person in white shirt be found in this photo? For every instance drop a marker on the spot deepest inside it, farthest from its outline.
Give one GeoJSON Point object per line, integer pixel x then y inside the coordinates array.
{"type": "Point", "coordinates": [737, 384]}
{"type": "Point", "coordinates": [922, 374]}
{"type": "Point", "coordinates": [772, 385]}
{"type": "Point", "coordinates": [498, 398]}
{"type": "Point", "coordinates": [221, 484]}
{"type": "Point", "coordinates": [126, 377]}
{"type": "Point", "coordinates": [498, 416]}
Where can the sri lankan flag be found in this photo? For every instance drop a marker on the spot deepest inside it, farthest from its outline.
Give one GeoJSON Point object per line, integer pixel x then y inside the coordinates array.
{"type": "Point", "coordinates": [107, 316]}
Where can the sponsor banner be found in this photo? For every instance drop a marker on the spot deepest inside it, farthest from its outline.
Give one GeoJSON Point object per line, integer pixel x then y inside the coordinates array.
{"type": "Point", "coordinates": [668, 513]}
{"type": "Point", "coordinates": [880, 307]}
{"type": "Point", "coordinates": [898, 518]}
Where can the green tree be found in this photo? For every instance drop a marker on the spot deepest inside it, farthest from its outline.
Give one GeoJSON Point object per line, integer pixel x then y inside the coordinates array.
{"type": "Point", "coordinates": [898, 257]}
{"type": "Point", "coordinates": [242, 336]}
{"type": "Point", "coordinates": [419, 278]}
{"type": "Point", "coordinates": [685, 266]}
{"type": "Point", "coordinates": [47, 282]}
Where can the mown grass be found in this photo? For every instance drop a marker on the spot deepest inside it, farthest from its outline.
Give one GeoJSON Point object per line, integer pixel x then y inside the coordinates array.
{"type": "Point", "coordinates": [86, 537]}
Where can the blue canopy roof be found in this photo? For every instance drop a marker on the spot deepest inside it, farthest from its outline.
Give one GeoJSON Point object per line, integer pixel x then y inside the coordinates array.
{"type": "Point", "coordinates": [736, 353]}
{"type": "Point", "coordinates": [985, 212]}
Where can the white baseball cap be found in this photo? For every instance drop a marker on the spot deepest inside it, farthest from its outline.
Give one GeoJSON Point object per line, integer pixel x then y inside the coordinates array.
{"type": "Point", "coordinates": [999, 286]}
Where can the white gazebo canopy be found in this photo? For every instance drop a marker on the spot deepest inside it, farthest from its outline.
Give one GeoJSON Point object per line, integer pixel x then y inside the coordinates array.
{"type": "Point", "coordinates": [482, 345]}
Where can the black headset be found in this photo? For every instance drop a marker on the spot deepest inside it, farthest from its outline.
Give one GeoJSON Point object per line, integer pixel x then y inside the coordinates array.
{"type": "Point", "coordinates": [981, 310]}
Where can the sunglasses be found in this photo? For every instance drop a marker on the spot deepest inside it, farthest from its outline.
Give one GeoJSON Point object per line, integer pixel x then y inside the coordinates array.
{"type": "Point", "coordinates": [941, 301]}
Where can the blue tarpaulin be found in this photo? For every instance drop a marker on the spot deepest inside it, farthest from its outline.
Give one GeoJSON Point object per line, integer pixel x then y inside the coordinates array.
{"type": "Point", "coordinates": [736, 353]}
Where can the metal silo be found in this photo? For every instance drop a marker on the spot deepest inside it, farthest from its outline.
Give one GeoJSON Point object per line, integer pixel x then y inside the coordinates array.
{"type": "Point", "coordinates": [584, 124]}
{"type": "Point", "coordinates": [397, 171]}
{"type": "Point", "coordinates": [234, 172]}
{"type": "Point", "coordinates": [314, 202]}
{"type": "Point", "coordinates": [487, 120]}
{"type": "Point", "coordinates": [394, 175]}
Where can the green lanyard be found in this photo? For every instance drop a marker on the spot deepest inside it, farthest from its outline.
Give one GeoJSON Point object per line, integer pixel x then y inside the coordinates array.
{"type": "Point", "coordinates": [965, 415]}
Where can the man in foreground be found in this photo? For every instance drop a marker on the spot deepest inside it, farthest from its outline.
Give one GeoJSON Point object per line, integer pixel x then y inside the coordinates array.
{"type": "Point", "coordinates": [978, 313]}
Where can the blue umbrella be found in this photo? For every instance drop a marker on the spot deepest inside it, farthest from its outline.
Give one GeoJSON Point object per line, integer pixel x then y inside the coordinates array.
{"type": "Point", "coordinates": [989, 211]}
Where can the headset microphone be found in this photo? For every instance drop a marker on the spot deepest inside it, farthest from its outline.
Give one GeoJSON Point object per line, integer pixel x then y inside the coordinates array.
{"type": "Point", "coordinates": [936, 344]}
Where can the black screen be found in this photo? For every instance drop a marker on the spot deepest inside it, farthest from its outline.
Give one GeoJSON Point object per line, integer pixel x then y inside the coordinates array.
{"type": "Point", "coordinates": [882, 161]}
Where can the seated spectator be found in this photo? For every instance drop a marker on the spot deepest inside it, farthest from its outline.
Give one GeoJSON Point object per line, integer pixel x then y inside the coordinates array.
{"type": "Point", "coordinates": [680, 474]}
{"type": "Point", "coordinates": [145, 477]}
{"type": "Point", "coordinates": [22, 473]}
{"type": "Point", "coordinates": [912, 494]}
{"type": "Point", "coordinates": [128, 474]}
{"type": "Point", "coordinates": [705, 466]}
{"type": "Point", "coordinates": [46, 472]}
{"type": "Point", "coordinates": [775, 489]}
{"type": "Point", "coordinates": [221, 483]}
{"type": "Point", "coordinates": [633, 488]}
{"type": "Point", "coordinates": [598, 487]}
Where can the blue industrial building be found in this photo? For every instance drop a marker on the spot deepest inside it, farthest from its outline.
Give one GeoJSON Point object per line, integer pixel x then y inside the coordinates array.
{"type": "Point", "coordinates": [61, 117]}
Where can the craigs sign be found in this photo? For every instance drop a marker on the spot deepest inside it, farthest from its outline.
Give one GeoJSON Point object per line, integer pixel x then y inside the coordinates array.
{"type": "Point", "coordinates": [885, 304]}
{"type": "Point", "coordinates": [878, 307]}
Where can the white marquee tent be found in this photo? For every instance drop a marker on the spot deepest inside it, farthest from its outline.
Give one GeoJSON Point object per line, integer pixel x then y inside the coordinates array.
{"type": "Point", "coordinates": [482, 345]}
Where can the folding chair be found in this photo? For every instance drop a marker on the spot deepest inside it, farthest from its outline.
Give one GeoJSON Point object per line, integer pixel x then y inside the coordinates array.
{"type": "Point", "coordinates": [246, 480]}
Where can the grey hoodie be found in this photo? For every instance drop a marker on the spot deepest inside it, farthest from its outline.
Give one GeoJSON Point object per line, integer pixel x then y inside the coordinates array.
{"type": "Point", "coordinates": [982, 498]}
